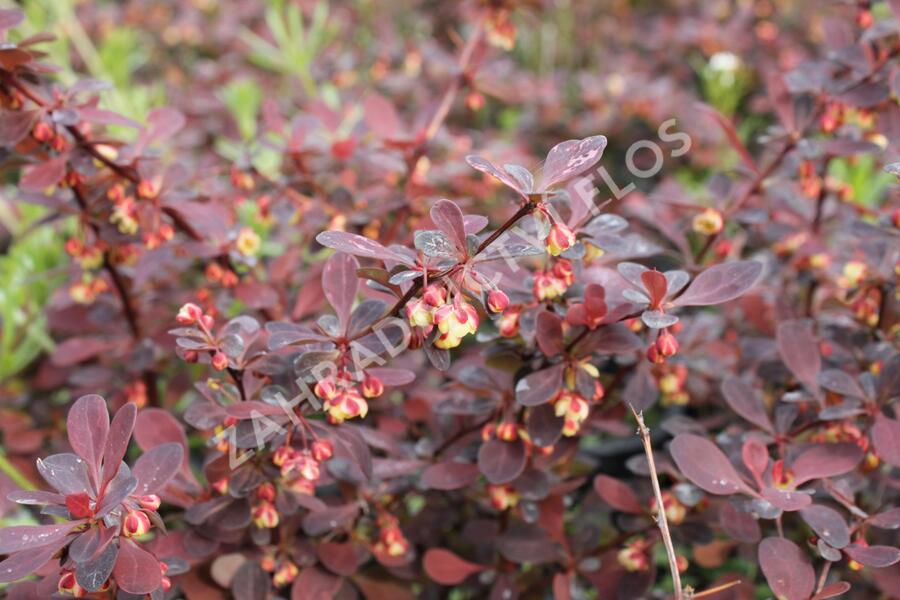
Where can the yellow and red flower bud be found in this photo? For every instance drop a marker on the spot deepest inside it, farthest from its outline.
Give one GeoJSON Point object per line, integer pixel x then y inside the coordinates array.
{"type": "Point", "coordinates": [497, 301]}
{"type": "Point", "coordinates": [68, 585]}
{"type": "Point", "coordinates": [372, 386]}
{"type": "Point", "coordinates": [456, 320]}
{"type": "Point", "coordinates": [346, 405]}
{"type": "Point", "coordinates": [281, 456]}
{"type": "Point", "coordinates": [42, 131]}
{"type": "Point", "coordinates": [322, 450]}
{"type": "Point", "coordinates": [503, 496]}
{"type": "Point", "coordinates": [573, 408]}
{"type": "Point", "coordinates": [419, 313]}
{"type": "Point", "coordinates": [674, 509]}
{"type": "Point", "coordinates": [634, 556]}
{"type": "Point", "coordinates": [708, 222]}
{"type": "Point", "coordinates": [392, 542]}
{"type": "Point", "coordinates": [508, 323]}
{"type": "Point", "coordinates": [285, 574]}
{"type": "Point", "coordinates": [782, 477]}
{"type": "Point", "coordinates": [301, 486]}
{"type": "Point", "coordinates": [266, 492]}
{"type": "Point", "coordinates": [435, 295]}
{"type": "Point", "coordinates": [560, 239]}
{"type": "Point", "coordinates": [508, 431]}
{"type": "Point", "coordinates": [265, 515]}
{"type": "Point", "coordinates": [326, 389]}
{"type": "Point", "coordinates": [488, 431]}
{"type": "Point", "coordinates": [136, 523]}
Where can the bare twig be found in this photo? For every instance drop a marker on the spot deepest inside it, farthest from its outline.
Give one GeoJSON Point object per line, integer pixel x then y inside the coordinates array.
{"type": "Point", "coordinates": [660, 515]}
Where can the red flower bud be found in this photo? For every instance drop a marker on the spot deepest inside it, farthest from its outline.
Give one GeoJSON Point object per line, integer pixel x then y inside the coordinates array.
{"type": "Point", "coordinates": [372, 386]}
{"type": "Point", "coordinates": [135, 523]}
{"type": "Point", "coordinates": [666, 344]}
{"type": "Point", "coordinates": [189, 314]}
{"type": "Point", "coordinates": [507, 431]}
{"type": "Point", "coordinates": [266, 492]}
{"type": "Point", "coordinates": [497, 301]}
{"type": "Point", "coordinates": [322, 450]}
{"type": "Point", "coordinates": [219, 361]}
{"type": "Point", "coordinates": [68, 585]}
{"type": "Point", "coordinates": [149, 502]}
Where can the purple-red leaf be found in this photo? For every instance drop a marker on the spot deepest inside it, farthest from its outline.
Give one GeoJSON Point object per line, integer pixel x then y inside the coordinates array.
{"type": "Point", "coordinates": [886, 439]}
{"type": "Point", "coordinates": [38, 178]}
{"type": "Point", "coordinates": [877, 557]}
{"type": "Point", "coordinates": [828, 524]}
{"type": "Point", "coordinates": [705, 465]}
{"type": "Point", "coordinates": [744, 400]}
{"type": "Point", "coordinates": [539, 387]}
{"type": "Point", "coordinates": [571, 158]}
{"type": "Point", "coordinates": [315, 584]}
{"type": "Point", "coordinates": [799, 350]}
{"type": "Point", "coordinates": [117, 440]}
{"type": "Point", "coordinates": [156, 467]}
{"type": "Point", "coordinates": [155, 426]}
{"type": "Point", "coordinates": [787, 569]}
{"type": "Point", "coordinates": [449, 219]}
{"type": "Point", "coordinates": [617, 494]}
{"type": "Point", "coordinates": [721, 283]}
{"type": "Point", "coordinates": [500, 461]}
{"type": "Point", "coordinates": [25, 563]}
{"type": "Point", "coordinates": [826, 460]}
{"type": "Point", "coordinates": [340, 284]}
{"type": "Point", "coordinates": [358, 245]}
{"type": "Point", "coordinates": [88, 426]}
{"type": "Point", "coordinates": [20, 537]}
{"type": "Point", "coordinates": [449, 475]}
{"type": "Point", "coordinates": [656, 285]}
{"type": "Point", "coordinates": [136, 571]}
{"type": "Point", "coordinates": [446, 568]}
{"type": "Point", "coordinates": [549, 333]}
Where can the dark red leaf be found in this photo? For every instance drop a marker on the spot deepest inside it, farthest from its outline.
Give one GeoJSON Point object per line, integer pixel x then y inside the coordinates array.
{"type": "Point", "coordinates": [828, 524]}
{"type": "Point", "coordinates": [88, 426]}
{"type": "Point", "coordinates": [250, 582]}
{"type": "Point", "coordinates": [799, 350]}
{"type": "Point", "coordinates": [832, 590]}
{"type": "Point", "coordinates": [705, 465]}
{"type": "Point", "coordinates": [340, 284]}
{"type": "Point", "coordinates": [136, 571]}
{"type": "Point", "coordinates": [877, 557]}
{"type": "Point", "coordinates": [15, 125]}
{"type": "Point", "coordinates": [826, 460]}
{"type": "Point", "coordinates": [886, 439]}
{"type": "Point", "coordinates": [787, 569]}
{"type": "Point", "coordinates": [617, 494]}
{"type": "Point", "coordinates": [117, 440]}
{"type": "Point", "coordinates": [381, 116]}
{"type": "Point", "coordinates": [25, 563]}
{"type": "Point", "coordinates": [449, 475]}
{"type": "Point", "coordinates": [744, 400]}
{"type": "Point", "coordinates": [19, 537]}
{"type": "Point", "coordinates": [756, 458]}
{"type": "Point", "coordinates": [155, 426]}
{"type": "Point", "coordinates": [315, 584]}
{"type": "Point", "coordinates": [156, 467]}
{"type": "Point", "coordinates": [549, 333]}
{"type": "Point", "coordinates": [739, 525]}
{"type": "Point", "coordinates": [571, 158]}
{"type": "Point", "coordinates": [449, 219]}
{"type": "Point", "coordinates": [539, 387]}
{"type": "Point", "coordinates": [500, 461]}
{"type": "Point", "coordinates": [339, 557]}
{"type": "Point", "coordinates": [721, 283]}
{"type": "Point", "coordinates": [358, 245]}
{"type": "Point", "coordinates": [656, 285]}
{"type": "Point", "coordinates": [38, 178]}
{"type": "Point", "coordinates": [446, 568]}
{"type": "Point", "coordinates": [79, 505]}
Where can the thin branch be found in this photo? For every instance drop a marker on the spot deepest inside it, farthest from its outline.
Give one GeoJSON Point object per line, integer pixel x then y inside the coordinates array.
{"type": "Point", "coordinates": [660, 515]}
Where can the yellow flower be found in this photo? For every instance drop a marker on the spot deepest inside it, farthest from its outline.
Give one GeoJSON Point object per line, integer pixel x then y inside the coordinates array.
{"type": "Point", "coordinates": [248, 242]}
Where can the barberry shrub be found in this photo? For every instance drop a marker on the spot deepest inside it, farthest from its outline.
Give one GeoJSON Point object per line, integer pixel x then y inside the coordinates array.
{"type": "Point", "coordinates": [360, 359]}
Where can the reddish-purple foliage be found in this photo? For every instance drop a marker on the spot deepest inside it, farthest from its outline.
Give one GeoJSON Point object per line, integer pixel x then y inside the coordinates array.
{"type": "Point", "coordinates": [388, 366]}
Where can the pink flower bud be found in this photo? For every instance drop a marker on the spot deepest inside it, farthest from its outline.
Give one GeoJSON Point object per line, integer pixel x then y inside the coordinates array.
{"type": "Point", "coordinates": [219, 361]}
{"type": "Point", "coordinates": [149, 502]}
{"type": "Point", "coordinates": [189, 314]}
{"type": "Point", "coordinates": [497, 301]}
{"type": "Point", "coordinates": [372, 386]}
{"type": "Point", "coordinates": [666, 344]}
{"type": "Point", "coordinates": [135, 523]}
